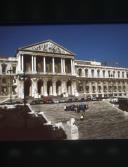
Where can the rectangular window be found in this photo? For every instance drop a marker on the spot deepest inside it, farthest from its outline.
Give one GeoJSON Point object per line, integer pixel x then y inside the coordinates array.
{"type": "Point", "coordinates": [4, 66]}
{"type": "Point", "coordinates": [14, 69]}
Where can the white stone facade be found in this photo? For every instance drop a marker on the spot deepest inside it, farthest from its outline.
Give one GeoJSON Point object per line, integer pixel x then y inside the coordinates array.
{"type": "Point", "coordinates": [51, 70]}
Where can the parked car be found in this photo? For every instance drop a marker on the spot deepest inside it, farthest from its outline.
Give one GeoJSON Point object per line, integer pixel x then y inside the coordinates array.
{"type": "Point", "coordinates": [82, 99]}
{"type": "Point", "coordinates": [55, 101]}
{"type": "Point", "coordinates": [62, 101]}
{"type": "Point", "coordinates": [36, 101]}
{"type": "Point", "coordinates": [47, 100]}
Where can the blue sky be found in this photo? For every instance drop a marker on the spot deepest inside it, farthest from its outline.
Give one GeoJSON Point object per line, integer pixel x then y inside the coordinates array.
{"type": "Point", "coordinates": [99, 42]}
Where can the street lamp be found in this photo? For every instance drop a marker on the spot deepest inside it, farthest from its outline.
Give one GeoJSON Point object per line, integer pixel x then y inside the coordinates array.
{"type": "Point", "coordinates": [23, 76]}
{"type": "Point", "coordinates": [10, 84]}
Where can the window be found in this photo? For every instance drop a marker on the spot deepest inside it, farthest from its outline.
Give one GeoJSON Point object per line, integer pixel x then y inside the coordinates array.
{"type": "Point", "coordinates": [109, 74]}
{"type": "Point", "coordinates": [98, 73]}
{"type": "Point", "coordinates": [86, 72]}
{"type": "Point", "coordinates": [14, 69]}
{"type": "Point", "coordinates": [4, 66]}
{"type": "Point", "coordinates": [114, 74]}
{"type": "Point", "coordinates": [80, 72]}
{"type": "Point", "coordinates": [122, 74]}
{"type": "Point", "coordinates": [118, 74]}
{"type": "Point", "coordinates": [92, 72]}
{"type": "Point", "coordinates": [104, 73]}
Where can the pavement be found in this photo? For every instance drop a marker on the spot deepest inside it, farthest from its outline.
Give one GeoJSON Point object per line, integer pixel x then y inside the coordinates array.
{"type": "Point", "coordinates": [101, 121]}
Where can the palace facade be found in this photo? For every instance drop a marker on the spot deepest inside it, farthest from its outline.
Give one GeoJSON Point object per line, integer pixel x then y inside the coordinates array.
{"type": "Point", "coordinates": [48, 69]}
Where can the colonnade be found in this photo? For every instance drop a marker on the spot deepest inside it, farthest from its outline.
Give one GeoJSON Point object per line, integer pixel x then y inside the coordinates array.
{"type": "Point", "coordinates": [34, 64]}
{"type": "Point", "coordinates": [47, 87]}
{"type": "Point", "coordinates": [101, 73]}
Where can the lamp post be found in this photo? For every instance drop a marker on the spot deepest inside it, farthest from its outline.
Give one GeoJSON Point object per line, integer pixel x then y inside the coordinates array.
{"type": "Point", "coordinates": [10, 84]}
{"type": "Point", "coordinates": [23, 76]}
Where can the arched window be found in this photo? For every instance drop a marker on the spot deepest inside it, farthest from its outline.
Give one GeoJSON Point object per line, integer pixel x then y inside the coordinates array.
{"type": "Point", "coordinates": [92, 73]}
{"type": "Point", "coordinates": [122, 74]}
{"type": "Point", "coordinates": [80, 72]}
{"type": "Point", "coordinates": [118, 74]}
{"type": "Point", "coordinates": [4, 66]}
{"type": "Point", "coordinates": [86, 72]}
{"type": "Point", "coordinates": [98, 73]}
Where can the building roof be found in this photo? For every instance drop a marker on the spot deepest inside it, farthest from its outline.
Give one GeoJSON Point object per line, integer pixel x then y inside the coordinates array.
{"type": "Point", "coordinates": [39, 44]}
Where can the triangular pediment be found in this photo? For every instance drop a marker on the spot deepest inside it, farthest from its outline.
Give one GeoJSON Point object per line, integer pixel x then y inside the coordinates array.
{"type": "Point", "coordinates": [47, 46]}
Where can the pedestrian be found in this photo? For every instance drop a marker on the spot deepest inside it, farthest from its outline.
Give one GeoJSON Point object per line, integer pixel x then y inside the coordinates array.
{"type": "Point", "coordinates": [65, 108]}
{"type": "Point", "coordinates": [81, 117]}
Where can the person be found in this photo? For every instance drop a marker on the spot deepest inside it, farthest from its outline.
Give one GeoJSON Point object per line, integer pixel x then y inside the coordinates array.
{"type": "Point", "coordinates": [82, 117]}
{"type": "Point", "coordinates": [65, 107]}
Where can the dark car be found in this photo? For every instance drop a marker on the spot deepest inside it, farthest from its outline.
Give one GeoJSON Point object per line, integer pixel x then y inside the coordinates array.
{"type": "Point", "coordinates": [47, 100]}
{"type": "Point", "coordinates": [82, 100]}
{"type": "Point", "coordinates": [37, 101]}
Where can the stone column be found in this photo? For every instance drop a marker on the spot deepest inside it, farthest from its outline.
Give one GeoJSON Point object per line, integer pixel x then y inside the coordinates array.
{"type": "Point", "coordinates": [34, 88]}
{"type": "Point", "coordinates": [42, 90]}
{"type": "Point", "coordinates": [45, 87]}
{"type": "Point", "coordinates": [96, 89]}
{"type": "Point", "coordinates": [22, 63]}
{"type": "Point", "coordinates": [73, 87]}
{"type": "Point", "coordinates": [83, 72]}
{"type": "Point", "coordinates": [61, 66]}
{"type": "Point", "coordinates": [54, 87]}
{"type": "Point", "coordinates": [19, 63]}
{"type": "Point", "coordinates": [102, 92]}
{"type": "Point", "coordinates": [90, 89]}
{"type": "Point", "coordinates": [44, 61]}
{"type": "Point", "coordinates": [71, 67]}
{"type": "Point", "coordinates": [53, 65]}
{"type": "Point", "coordinates": [50, 90]}
{"type": "Point", "coordinates": [32, 64]}
{"type": "Point", "coordinates": [64, 65]}
{"type": "Point", "coordinates": [21, 89]}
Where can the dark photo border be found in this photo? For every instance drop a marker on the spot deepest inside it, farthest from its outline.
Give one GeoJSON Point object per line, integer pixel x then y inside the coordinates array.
{"type": "Point", "coordinates": [46, 12]}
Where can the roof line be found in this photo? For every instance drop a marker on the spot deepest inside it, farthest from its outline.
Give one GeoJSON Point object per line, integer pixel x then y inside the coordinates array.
{"type": "Point", "coordinates": [49, 40]}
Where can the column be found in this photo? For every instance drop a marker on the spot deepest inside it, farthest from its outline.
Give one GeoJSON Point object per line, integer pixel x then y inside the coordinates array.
{"type": "Point", "coordinates": [53, 66]}
{"type": "Point", "coordinates": [45, 87]}
{"type": "Point", "coordinates": [44, 61]}
{"type": "Point", "coordinates": [90, 89]}
{"type": "Point", "coordinates": [61, 66]}
{"type": "Point", "coordinates": [42, 90]}
{"type": "Point", "coordinates": [96, 89]}
{"type": "Point", "coordinates": [22, 63]}
{"type": "Point", "coordinates": [21, 89]}
{"type": "Point", "coordinates": [84, 87]}
{"type": "Point", "coordinates": [54, 87]}
{"type": "Point", "coordinates": [89, 73]}
{"type": "Point", "coordinates": [83, 72]}
{"type": "Point", "coordinates": [34, 87]}
{"type": "Point", "coordinates": [64, 65]}
{"type": "Point", "coordinates": [102, 89]}
{"type": "Point", "coordinates": [19, 63]}
{"type": "Point", "coordinates": [32, 64]}
{"type": "Point", "coordinates": [50, 90]}
{"type": "Point", "coordinates": [71, 67]}
{"type": "Point", "coordinates": [73, 88]}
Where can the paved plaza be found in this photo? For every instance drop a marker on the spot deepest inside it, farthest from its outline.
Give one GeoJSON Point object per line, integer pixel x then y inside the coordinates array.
{"type": "Point", "coordinates": [102, 120]}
